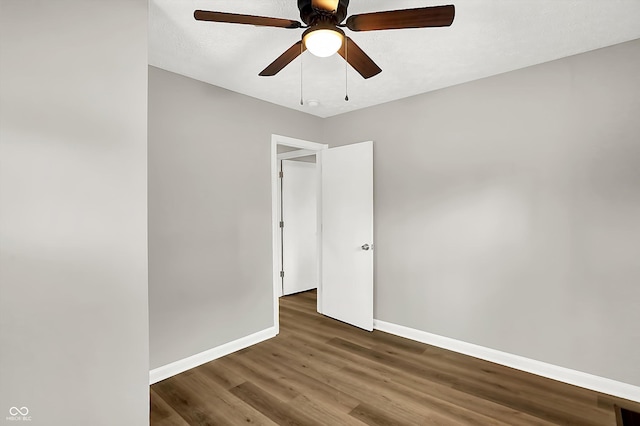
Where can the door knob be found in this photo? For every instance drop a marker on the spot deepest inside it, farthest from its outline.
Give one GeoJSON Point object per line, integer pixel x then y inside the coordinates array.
{"type": "Point", "coordinates": [366, 247]}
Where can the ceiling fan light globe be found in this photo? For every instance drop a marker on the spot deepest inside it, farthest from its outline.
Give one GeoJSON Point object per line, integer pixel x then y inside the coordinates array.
{"type": "Point", "coordinates": [323, 42]}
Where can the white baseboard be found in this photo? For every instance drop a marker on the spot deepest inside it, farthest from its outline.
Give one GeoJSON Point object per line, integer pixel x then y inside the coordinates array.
{"type": "Point", "coordinates": [177, 367]}
{"type": "Point", "coordinates": [577, 378]}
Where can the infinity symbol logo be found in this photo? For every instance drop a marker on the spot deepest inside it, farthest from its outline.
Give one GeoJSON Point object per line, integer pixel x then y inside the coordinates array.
{"type": "Point", "coordinates": [14, 411]}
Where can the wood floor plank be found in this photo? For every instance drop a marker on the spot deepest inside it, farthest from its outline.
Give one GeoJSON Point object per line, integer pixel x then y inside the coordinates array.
{"type": "Point", "coordinates": [568, 397]}
{"type": "Point", "coordinates": [183, 402]}
{"type": "Point", "coordinates": [307, 353]}
{"type": "Point", "coordinates": [468, 414]}
{"type": "Point", "coordinates": [567, 394]}
{"type": "Point", "coordinates": [495, 392]}
{"type": "Point", "coordinates": [372, 416]}
{"type": "Point", "coordinates": [266, 378]}
{"type": "Point", "coordinates": [322, 371]}
{"type": "Point", "coordinates": [308, 386]}
{"type": "Point", "coordinates": [220, 374]}
{"type": "Point", "coordinates": [446, 393]}
{"type": "Point", "coordinates": [369, 340]}
{"type": "Point", "coordinates": [439, 388]}
{"type": "Point", "coordinates": [161, 413]}
{"type": "Point", "coordinates": [404, 410]}
{"type": "Point", "coordinates": [229, 404]}
{"type": "Point", "coordinates": [499, 393]}
{"type": "Point", "coordinates": [201, 402]}
{"type": "Point", "coordinates": [326, 414]}
{"type": "Point", "coordinates": [278, 411]}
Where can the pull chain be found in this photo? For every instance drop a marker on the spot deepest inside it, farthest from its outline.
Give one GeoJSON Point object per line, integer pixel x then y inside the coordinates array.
{"type": "Point", "coordinates": [346, 69]}
{"type": "Point", "coordinates": [301, 52]}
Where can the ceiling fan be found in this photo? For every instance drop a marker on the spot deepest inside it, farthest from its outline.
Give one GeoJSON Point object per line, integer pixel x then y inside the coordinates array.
{"type": "Point", "coordinates": [323, 35]}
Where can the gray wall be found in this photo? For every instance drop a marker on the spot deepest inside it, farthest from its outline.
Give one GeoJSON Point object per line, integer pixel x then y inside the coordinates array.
{"type": "Point", "coordinates": [508, 211]}
{"type": "Point", "coordinates": [73, 226]}
{"type": "Point", "coordinates": [210, 279]}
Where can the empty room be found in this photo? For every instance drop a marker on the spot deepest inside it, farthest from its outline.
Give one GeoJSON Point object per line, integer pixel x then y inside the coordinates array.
{"type": "Point", "coordinates": [323, 212]}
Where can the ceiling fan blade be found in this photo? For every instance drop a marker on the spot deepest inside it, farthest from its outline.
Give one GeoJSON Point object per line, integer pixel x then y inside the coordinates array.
{"type": "Point", "coordinates": [283, 60]}
{"type": "Point", "coordinates": [435, 16]}
{"type": "Point", "coordinates": [234, 18]}
{"type": "Point", "coordinates": [359, 60]}
{"type": "Point", "coordinates": [329, 5]}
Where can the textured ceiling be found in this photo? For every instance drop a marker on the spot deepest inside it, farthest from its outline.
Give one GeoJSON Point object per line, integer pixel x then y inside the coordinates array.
{"type": "Point", "coordinates": [487, 37]}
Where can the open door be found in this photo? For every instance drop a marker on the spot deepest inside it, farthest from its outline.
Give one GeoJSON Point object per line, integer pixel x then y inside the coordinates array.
{"type": "Point", "coordinates": [346, 292]}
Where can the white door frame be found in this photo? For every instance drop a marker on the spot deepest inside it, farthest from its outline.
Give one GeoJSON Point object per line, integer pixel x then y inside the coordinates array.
{"type": "Point", "coordinates": [306, 148]}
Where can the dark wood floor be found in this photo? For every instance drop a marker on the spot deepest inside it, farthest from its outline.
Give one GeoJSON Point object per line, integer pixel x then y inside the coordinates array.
{"type": "Point", "coordinates": [318, 371]}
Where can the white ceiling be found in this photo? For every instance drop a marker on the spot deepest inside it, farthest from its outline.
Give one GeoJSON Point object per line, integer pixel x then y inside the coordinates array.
{"type": "Point", "coordinates": [487, 37]}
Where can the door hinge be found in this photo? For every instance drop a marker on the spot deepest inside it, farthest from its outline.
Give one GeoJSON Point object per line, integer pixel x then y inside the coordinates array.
{"type": "Point", "coordinates": [282, 224]}
{"type": "Point", "coordinates": [281, 274]}
{"type": "Point", "coordinates": [281, 175]}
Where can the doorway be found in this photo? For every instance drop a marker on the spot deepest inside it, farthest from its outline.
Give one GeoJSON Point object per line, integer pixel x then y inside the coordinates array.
{"type": "Point", "coordinates": [286, 149]}
{"type": "Point", "coordinates": [344, 228]}
{"type": "Point", "coordinates": [298, 224]}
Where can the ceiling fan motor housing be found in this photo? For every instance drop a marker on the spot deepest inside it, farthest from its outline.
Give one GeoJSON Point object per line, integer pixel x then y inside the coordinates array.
{"type": "Point", "coordinates": [312, 16]}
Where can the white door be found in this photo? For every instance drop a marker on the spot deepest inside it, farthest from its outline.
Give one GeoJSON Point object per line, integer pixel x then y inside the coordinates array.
{"type": "Point", "coordinates": [299, 235]}
{"type": "Point", "coordinates": [346, 293]}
